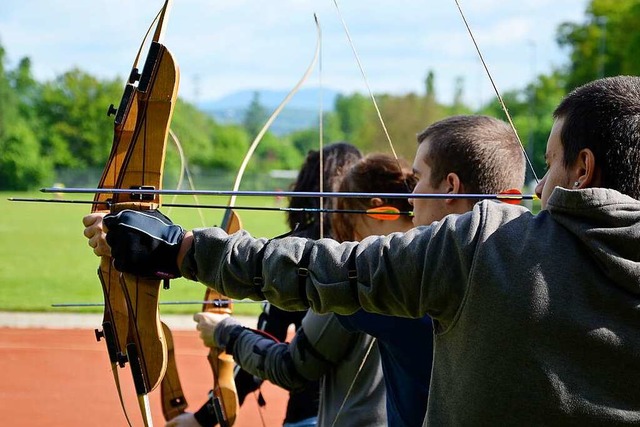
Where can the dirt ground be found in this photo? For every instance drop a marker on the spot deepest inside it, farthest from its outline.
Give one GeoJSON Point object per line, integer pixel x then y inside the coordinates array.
{"type": "Point", "coordinates": [62, 377]}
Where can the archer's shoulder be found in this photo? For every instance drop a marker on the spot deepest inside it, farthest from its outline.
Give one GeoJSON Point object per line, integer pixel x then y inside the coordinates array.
{"type": "Point", "coordinates": [495, 213]}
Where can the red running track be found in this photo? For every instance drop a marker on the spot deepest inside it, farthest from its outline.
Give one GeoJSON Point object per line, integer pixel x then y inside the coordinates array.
{"type": "Point", "coordinates": [62, 377]}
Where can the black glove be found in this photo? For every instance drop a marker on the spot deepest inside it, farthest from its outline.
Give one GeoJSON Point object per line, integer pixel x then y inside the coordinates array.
{"type": "Point", "coordinates": [144, 243]}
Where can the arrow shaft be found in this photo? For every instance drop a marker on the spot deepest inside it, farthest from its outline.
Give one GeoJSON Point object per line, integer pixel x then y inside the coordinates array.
{"type": "Point", "coordinates": [289, 194]}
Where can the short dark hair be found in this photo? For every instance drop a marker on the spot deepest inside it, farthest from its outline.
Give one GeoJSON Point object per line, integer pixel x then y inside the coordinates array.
{"type": "Point", "coordinates": [375, 173]}
{"type": "Point", "coordinates": [483, 151]}
{"type": "Point", "coordinates": [336, 159]}
{"type": "Point", "coordinates": [604, 116]}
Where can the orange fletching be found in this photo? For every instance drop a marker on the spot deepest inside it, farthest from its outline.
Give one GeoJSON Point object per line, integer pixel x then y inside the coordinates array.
{"type": "Point", "coordinates": [511, 196]}
{"type": "Point", "coordinates": [384, 213]}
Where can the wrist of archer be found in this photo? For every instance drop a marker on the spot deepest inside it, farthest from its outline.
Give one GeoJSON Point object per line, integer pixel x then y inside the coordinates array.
{"type": "Point", "coordinates": [185, 246]}
{"type": "Point", "coordinates": [226, 329]}
{"type": "Point", "coordinates": [186, 257]}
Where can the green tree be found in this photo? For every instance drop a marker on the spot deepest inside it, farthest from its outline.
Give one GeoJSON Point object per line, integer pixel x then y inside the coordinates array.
{"type": "Point", "coordinates": [605, 44]}
{"type": "Point", "coordinates": [309, 139]}
{"type": "Point", "coordinates": [458, 106]}
{"type": "Point", "coordinates": [275, 153]}
{"type": "Point", "coordinates": [230, 146]}
{"type": "Point", "coordinates": [206, 143]}
{"type": "Point", "coordinates": [531, 110]}
{"type": "Point", "coordinates": [8, 101]}
{"type": "Point", "coordinates": [77, 132]}
{"type": "Point", "coordinates": [22, 166]}
{"type": "Point", "coordinates": [255, 116]}
{"type": "Point", "coordinates": [404, 116]}
{"type": "Point", "coordinates": [27, 90]}
{"type": "Point", "coordinates": [352, 113]}
{"type": "Point", "coordinates": [430, 86]}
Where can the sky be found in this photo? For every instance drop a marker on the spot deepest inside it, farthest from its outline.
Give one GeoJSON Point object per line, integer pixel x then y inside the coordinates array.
{"type": "Point", "coordinates": [225, 46]}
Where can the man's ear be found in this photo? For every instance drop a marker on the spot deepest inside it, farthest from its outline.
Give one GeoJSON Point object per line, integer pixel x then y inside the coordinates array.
{"type": "Point", "coordinates": [453, 186]}
{"type": "Point", "coordinates": [584, 170]}
{"type": "Point", "coordinates": [453, 183]}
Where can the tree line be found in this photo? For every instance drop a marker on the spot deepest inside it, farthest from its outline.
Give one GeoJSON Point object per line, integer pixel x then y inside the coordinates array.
{"type": "Point", "coordinates": [61, 125]}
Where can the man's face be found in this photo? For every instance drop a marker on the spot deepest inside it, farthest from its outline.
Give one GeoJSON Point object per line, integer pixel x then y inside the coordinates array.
{"type": "Point", "coordinates": [426, 211]}
{"type": "Point", "coordinates": [557, 174]}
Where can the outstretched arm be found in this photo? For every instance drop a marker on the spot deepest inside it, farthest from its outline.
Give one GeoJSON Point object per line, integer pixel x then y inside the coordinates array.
{"type": "Point", "coordinates": [257, 353]}
{"type": "Point", "coordinates": [422, 271]}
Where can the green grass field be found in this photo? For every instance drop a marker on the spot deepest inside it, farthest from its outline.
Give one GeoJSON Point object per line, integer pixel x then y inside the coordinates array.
{"type": "Point", "coordinates": [45, 258]}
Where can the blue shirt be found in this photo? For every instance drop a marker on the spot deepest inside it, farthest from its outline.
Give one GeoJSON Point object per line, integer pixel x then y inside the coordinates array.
{"type": "Point", "coordinates": [406, 351]}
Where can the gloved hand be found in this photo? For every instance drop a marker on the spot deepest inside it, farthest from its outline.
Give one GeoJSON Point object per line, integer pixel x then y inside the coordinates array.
{"type": "Point", "coordinates": [144, 243]}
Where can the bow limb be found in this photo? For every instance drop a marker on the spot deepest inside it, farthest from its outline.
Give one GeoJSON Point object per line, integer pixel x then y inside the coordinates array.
{"type": "Point", "coordinates": [172, 397]}
{"type": "Point", "coordinates": [274, 115]}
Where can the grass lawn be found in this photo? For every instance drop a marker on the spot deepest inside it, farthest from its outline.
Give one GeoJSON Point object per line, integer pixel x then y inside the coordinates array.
{"type": "Point", "coordinates": [45, 258]}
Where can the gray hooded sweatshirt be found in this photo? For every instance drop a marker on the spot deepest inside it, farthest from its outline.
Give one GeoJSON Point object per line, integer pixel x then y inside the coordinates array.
{"type": "Point", "coordinates": [537, 316]}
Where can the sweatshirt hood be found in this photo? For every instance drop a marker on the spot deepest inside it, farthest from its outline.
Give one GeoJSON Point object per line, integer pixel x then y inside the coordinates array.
{"type": "Point", "coordinates": [608, 223]}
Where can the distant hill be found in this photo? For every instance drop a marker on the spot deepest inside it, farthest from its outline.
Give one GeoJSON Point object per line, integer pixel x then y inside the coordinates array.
{"type": "Point", "coordinates": [300, 113]}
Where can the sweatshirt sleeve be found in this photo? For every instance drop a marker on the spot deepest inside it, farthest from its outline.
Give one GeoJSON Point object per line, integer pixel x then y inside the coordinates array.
{"type": "Point", "coordinates": [317, 347]}
{"type": "Point", "coordinates": [422, 271]}
{"type": "Point", "coordinates": [267, 359]}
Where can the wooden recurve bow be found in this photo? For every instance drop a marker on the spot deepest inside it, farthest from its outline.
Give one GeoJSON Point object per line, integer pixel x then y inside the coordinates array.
{"type": "Point", "coordinates": [131, 324]}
